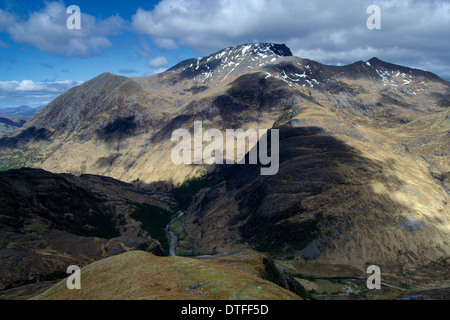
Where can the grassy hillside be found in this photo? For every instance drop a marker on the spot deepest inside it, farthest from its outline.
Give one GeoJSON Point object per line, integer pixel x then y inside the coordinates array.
{"type": "Point", "coordinates": [141, 275]}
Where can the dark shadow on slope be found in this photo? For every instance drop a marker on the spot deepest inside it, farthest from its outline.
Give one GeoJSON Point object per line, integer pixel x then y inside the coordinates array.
{"type": "Point", "coordinates": [29, 194]}
{"type": "Point", "coordinates": [196, 89]}
{"type": "Point", "coordinates": [85, 205]}
{"type": "Point", "coordinates": [24, 137]}
{"type": "Point", "coordinates": [8, 122]}
{"type": "Point", "coordinates": [118, 128]}
{"type": "Point", "coordinates": [308, 199]}
{"type": "Point", "coordinates": [50, 221]}
{"type": "Point", "coordinates": [250, 95]}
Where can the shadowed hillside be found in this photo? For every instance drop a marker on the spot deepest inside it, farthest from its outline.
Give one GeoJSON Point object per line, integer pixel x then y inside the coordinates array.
{"type": "Point", "coordinates": [50, 221]}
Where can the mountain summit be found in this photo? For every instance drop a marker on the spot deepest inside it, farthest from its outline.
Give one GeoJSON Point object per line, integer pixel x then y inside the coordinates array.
{"type": "Point", "coordinates": [237, 53]}
{"type": "Point", "coordinates": [232, 59]}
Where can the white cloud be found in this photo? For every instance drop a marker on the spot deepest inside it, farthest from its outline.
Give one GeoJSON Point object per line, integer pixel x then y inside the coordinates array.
{"type": "Point", "coordinates": [47, 30]}
{"type": "Point", "coordinates": [146, 49]}
{"type": "Point", "coordinates": [6, 19]}
{"type": "Point", "coordinates": [165, 43]}
{"type": "Point", "coordinates": [328, 31]}
{"type": "Point", "coordinates": [28, 92]}
{"type": "Point", "coordinates": [29, 85]}
{"type": "Point", "coordinates": [158, 62]}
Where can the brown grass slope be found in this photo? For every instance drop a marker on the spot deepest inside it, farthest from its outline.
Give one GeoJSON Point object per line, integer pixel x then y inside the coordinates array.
{"type": "Point", "coordinates": [139, 275]}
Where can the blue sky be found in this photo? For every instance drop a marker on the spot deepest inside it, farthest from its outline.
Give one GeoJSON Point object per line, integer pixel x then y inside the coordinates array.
{"type": "Point", "coordinates": [128, 53]}
{"type": "Point", "coordinates": [40, 58]}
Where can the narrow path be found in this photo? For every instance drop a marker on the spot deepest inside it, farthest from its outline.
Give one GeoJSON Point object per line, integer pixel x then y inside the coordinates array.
{"type": "Point", "coordinates": [383, 284]}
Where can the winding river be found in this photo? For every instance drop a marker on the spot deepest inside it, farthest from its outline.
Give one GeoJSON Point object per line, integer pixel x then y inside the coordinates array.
{"type": "Point", "coordinates": [173, 237]}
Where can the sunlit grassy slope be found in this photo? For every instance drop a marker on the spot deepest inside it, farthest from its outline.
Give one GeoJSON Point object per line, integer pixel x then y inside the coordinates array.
{"type": "Point", "coordinates": [141, 275]}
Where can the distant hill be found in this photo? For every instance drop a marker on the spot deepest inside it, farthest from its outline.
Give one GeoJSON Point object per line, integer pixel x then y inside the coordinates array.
{"type": "Point", "coordinates": [19, 113]}
{"type": "Point", "coordinates": [8, 127]}
{"type": "Point", "coordinates": [13, 118]}
{"type": "Point", "coordinates": [12, 123]}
